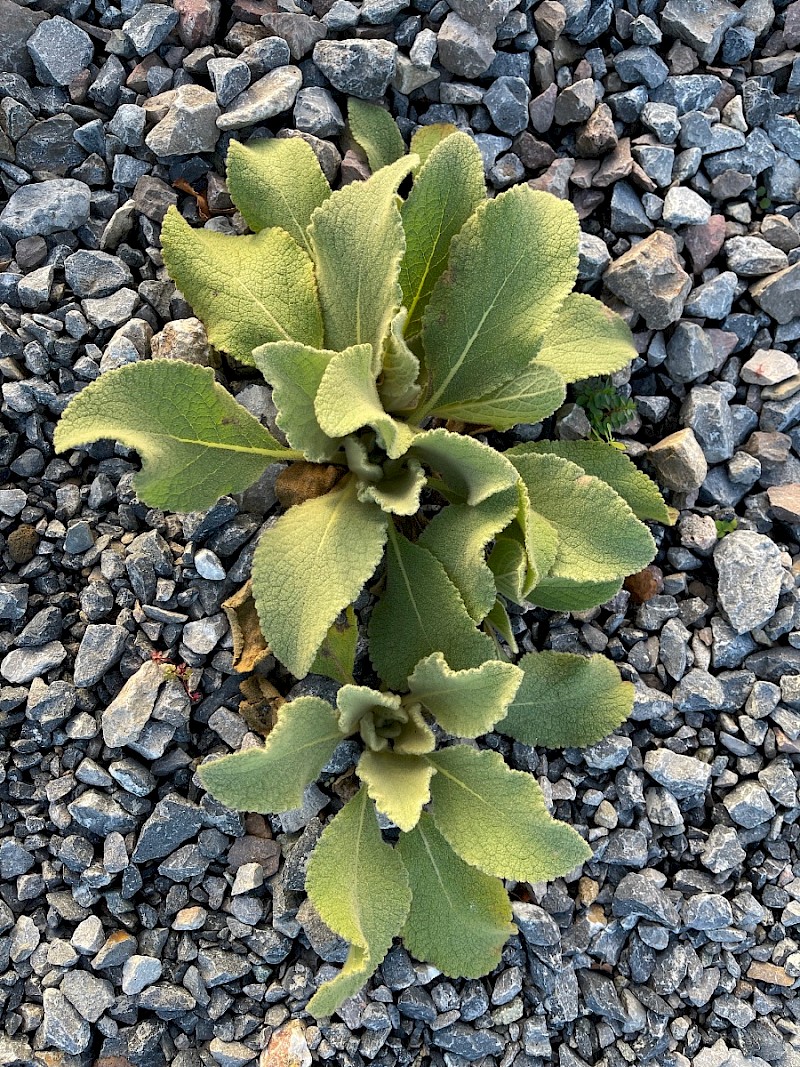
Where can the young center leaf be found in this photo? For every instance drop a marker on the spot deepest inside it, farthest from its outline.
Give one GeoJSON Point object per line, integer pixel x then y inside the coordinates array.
{"type": "Point", "coordinates": [399, 494]}
{"type": "Point", "coordinates": [196, 442]}
{"type": "Point", "coordinates": [420, 612]}
{"type": "Point", "coordinates": [358, 242]}
{"type": "Point", "coordinates": [375, 131]}
{"type": "Point", "coordinates": [359, 886]}
{"type": "Point", "coordinates": [446, 191]}
{"type": "Point", "coordinates": [585, 339]}
{"type": "Point", "coordinates": [460, 918]}
{"type": "Point", "coordinates": [309, 566]}
{"type": "Point", "coordinates": [247, 290]}
{"type": "Point", "coordinates": [532, 395]}
{"type": "Point", "coordinates": [567, 701]}
{"type": "Point", "coordinates": [471, 469]}
{"type": "Point", "coordinates": [277, 182]}
{"type": "Point", "coordinates": [498, 620]}
{"type": "Point", "coordinates": [465, 703]}
{"type": "Point", "coordinates": [511, 267]}
{"type": "Point", "coordinates": [538, 536]}
{"type": "Point", "coordinates": [355, 703]}
{"type": "Point", "coordinates": [274, 777]}
{"type": "Point", "coordinates": [398, 385]}
{"type": "Point", "coordinates": [496, 818]}
{"type": "Point", "coordinates": [399, 785]}
{"type": "Point", "coordinates": [294, 371]}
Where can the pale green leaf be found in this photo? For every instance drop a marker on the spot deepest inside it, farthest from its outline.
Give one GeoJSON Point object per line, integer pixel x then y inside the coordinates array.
{"type": "Point", "coordinates": [599, 537]}
{"type": "Point", "coordinates": [309, 566]}
{"type": "Point", "coordinates": [458, 536]}
{"type": "Point", "coordinates": [472, 469]}
{"type": "Point", "coordinates": [496, 819]}
{"type": "Point", "coordinates": [347, 400]}
{"type": "Point", "coordinates": [562, 594]}
{"type": "Point", "coordinates": [420, 612]}
{"type": "Point", "coordinates": [337, 653]}
{"type": "Point", "coordinates": [196, 442]}
{"type": "Point", "coordinates": [567, 701]}
{"type": "Point", "coordinates": [539, 538]}
{"type": "Point", "coordinates": [294, 371]}
{"type": "Point", "coordinates": [532, 395]}
{"type": "Point", "coordinates": [247, 290]}
{"type": "Point", "coordinates": [398, 494]}
{"type": "Point", "coordinates": [610, 465]}
{"type": "Point", "coordinates": [273, 777]}
{"type": "Point", "coordinates": [398, 385]}
{"type": "Point", "coordinates": [499, 620]}
{"type": "Point", "coordinates": [359, 886]}
{"type": "Point", "coordinates": [465, 703]}
{"type": "Point", "coordinates": [460, 918]}
{"type": "Point", "coordinates": [447, 190]}
{"type": "Point", "coordinates": [585, 339]}
{"type": "Point", "coordinates": [276, 182]}
{"type": "Point", "coordinates": [511, 267]}
{"type": "Point", "coordinates": [358, 242]}
{"type": "Point", "coordinates": [375, 131]}
{"type": "Point", "coordinates": [399, 785]}
{"type": "Point", "coordinates": [508, 563]}
{"type": "Point", "coordinates": [354, 702]}
{"type": "Point", "coordinates": [426, 138]}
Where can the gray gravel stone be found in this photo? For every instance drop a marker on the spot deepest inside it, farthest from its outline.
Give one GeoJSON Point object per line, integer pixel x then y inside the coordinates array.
{"type": "Point", "coordinates": [100, 649]}
{"type": "Point", "coordinates": [749, 805]}
{"type": "Point", "coordinates": [90, 996]}
{"type": "Point", "coordinates": [139, 972]}
{"type": "Point", "coordinates": [753, 256]}
{"type": "Point", "coordinates": [173, 821]}
{"type": "Point", "coordinates": [317, 113]}
{"type": "Point", "coordinates": [679, 461]}
{"type": "Point", "coordinates": [60, 50]}
{"type": "Point", "coordinates": [229, 77]}
{"type": "Point", "coordinates": [690, 354]}
{"type": "Point", "coordinates": [749, 579]}
{"type": "Point", "coordinates": [190, 124]}
{"type": "Point", "coordinates": [507, 102]}
{"type": "Point", "coordinates": [683, 776]}
{"type": "Point", "coordinates": [713, 299]}
{"type": "Point", "coordinates": [639, 895]}
{"type": "Point", "coordinates": [13, 601]}
{"type": "Point", "coordinates": [464, 50]}
{"type": "Point", "coordinates": [269, 96]}
{"type": "Point", "coordinates": [708, 414]}
{"type": "Point", "coordinates": [150, 26]}
{"type": "Point", "coordinates": [44, 208]}
{"type": "Point", "coordinates": [62, 1027]}
{"type": "Point", "coordinates": [650, 279]}
{"type": "Point", "coordinates": [95, 273]}
{"type": "Point", "coordinates": [24, 664]}
{"type": "Point", "coordinates": [357, 68]}
{"type": "Point", "coordinates": [126, 716]}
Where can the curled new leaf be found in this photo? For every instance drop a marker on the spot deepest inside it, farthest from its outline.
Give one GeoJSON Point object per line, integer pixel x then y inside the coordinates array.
{"type": "Point", "coordinates": [473, 470]}
{"type": "Point", "coordinates": [399, 785]}
{"type": "Point", "coordinates": [294, 371]}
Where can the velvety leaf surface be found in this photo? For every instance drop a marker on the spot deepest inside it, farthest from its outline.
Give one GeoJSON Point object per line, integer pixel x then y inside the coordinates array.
{"type": "Point", "coordinates": [196, 442]}
{"type": "Point", "coordinates": [499, 620]}
{"type": "Point", "coordinates": [586, 339]}
{"type": "Point", "coordinates": [294, 371]}
{"type": "Point", "coordinates": [398, 383]}
{"type": "Point", "coordinates": [460, 918]}
{"type": "Point", "coordinates": [426, 138]}
{"type": "Point", "coordinates": [247, 290]}
{"type": "Point", "coordinates": [510, 268]}
{"type": "Point", "coordinates": [496, 818]}
{"type": "Point", "coordinates": [337, 653]}
{"type": "Point", "coordinates": [567, 701]}
{"type": "Point", "coordinates": [465, 703]}
{"type": "Point", "coordinates": [508, 563]}
{"type": "Point", "coordinates": [375, 131]}
{"type": "Point", "coordinates": [309, 566]}
{"type": "Point", "coordinates": [356, 701]}
{"type": "Point", "coordinates": [563, 594]}
{"type": "Point", "coordinates": [276, 182]}
{"type": "Point", "coordinates": [399, 785]}
{"type": "Point", "coordinates": [471, 469]}
{"type": "Point", "coordinates": [532, 395]}
{"type": "Point", "coordinates": [399, 495]}
{"type": "Point", "coordinates": [274, 777]}
{"type": "Point", "coordinates": [359, 886]}
{"type": "Point", "coordinates": [539, 537]}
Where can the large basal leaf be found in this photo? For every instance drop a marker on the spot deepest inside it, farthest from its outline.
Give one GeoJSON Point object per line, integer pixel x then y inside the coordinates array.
{"type": "Point", "coordinates": [567, 701]}
{"type": "Point", "coordinates": [375, 131]}
{"type": "Point", "coordinates": [399, 785]}
{"type": "Point", "coordinates": [277, 182]}
{"type": "Point", "coordinates": [534, 394]}
{"type": "Point", "coordinates": [511, 267]}
{"type": "Point", "coordinates": [359, 886]}
{"type": "Point", "coordinates": [426, 138]}
{"type": "Point", "coordinates": [585, 339]}
{"type": "Point", "coordinates": [420, 612]}
{"type": "Point", "coordinates": [460, 918]}
{"type": "Point", "coordinates": [562, 594]}
{"type": "Point", "coordinates": [347, 400]}
{"type": "Point", "coordinates": [358, 242]}
{"type": "Point", "coordinates": [447, 190]}
{"type": "Point", "coordinates": [612, 466]}
{"type": "Point", "coordinates": [471, 469]}
{"type": "Point", "coordinates": [398, 385]}
{"type": "Point", "coordinates": [599, 537]}
{"type": "Point", "coordinates": [294, 371]}
{"type": "Point", "coordinates": [508, 563]}
{"type": "Point", "coordinates": [247, 290]}
{"type": "Point", "coordinates": [465, 703]}
{"type": "Point", "coordinates": [337, 653]}
{"type": "Point", "coordinates": [458, 536]}
{"type": "Point", "coordinates": [309, 566]}
{"type": "Point", "coordinates": [274, 777]}
{"type": "Point", "coordinates": [196, 442]}
{"type": "Point", "coordinates": [496, 818]}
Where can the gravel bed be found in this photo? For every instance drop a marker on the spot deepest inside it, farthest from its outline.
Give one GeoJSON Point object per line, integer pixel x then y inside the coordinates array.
{"type": "Point", "coordinates": [143, 924]}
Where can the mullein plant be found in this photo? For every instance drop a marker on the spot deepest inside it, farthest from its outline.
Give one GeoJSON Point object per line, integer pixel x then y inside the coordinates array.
{"type": "Point", "coordinates": [387, 325]}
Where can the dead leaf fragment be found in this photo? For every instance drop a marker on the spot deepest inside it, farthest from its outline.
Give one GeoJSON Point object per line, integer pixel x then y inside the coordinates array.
{"type": "Point", "coordinates": [249, 646]}
{"type": "Point", "coordinates": [304, 481]}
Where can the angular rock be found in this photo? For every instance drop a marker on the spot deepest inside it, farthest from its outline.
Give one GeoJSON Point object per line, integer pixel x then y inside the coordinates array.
{"type": "Point", "coordinates": [189, 126]}
{"type": "Point", "coordinates": [769, 366]}
{"type": "Point", "coordinates": [708, 414]}
{"type": "Point", "coordinates": [44, 208]}
{"type": "Point", "coordinates": [690, 354]}
{"type": "Point", "coordinates": [679, 461]}
{"type": "Point", "coordinates": [60, 50]}
{"type": "Point", "coordinates": [683, 776]}
{"type": "Point", "coordinates": [713, 299]}
{"type": "Point", "coordinates": [150, 26]}
{"type": "Point", "coordinates": [62, 1027]}
{"type": "Point", "coordinates": [700, 23]}
{"type": "Point", "coordinates": [357, 68]}
{"type": "Point", "coordinates": [684, 207]}
{"type": "Point", "coordinates": [778, 295]}
{"type": "Point", "coordinates": [269, 96]}
{"type": "Point", "coordinates": [650, 279]}
{"type": "Point", "coordinates": [749, 805]}
{"type": "Point", "coordinates": [101, 647]}
{"type": "Point", "coordinates": [749, 579]}
{"type": "Point", "coordinates": [753, 257]}
{"type": "Point", "coordinates": [24, 664]}
{"type": "Point", "coordinates": [126, 716]}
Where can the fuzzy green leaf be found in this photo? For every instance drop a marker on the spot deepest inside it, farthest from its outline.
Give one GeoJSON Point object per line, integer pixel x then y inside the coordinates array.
{"type": "Point", "coordinates": [599, 537]}
{"type": "Point", "coordinates": [508, 563]}
{"type": "Point", "coordinates": [309, 566]}
{"type": "Point", "coordinates": [511, 267]}
{"type": "Point", "coordinates": [567, 701]}
{"type": "Point", "coordinates": [465, 703]}
{"type": "Point", "coordinates": [562, 594]}
{"type": "Point", "coordinates": [347, 400]}
{"type": "Point", "coordinates": [532, 395]}
{"type": "Point", "coordinates": [472, 469]}
{"type": "Point", "coordinates": [358, 242]}
{"type": "Point", "coordinates": [277, 182]}
{"type": "Point", "coordinates": [458, 535]}
{"type": "Point", "coordinates": [399, 494]}
{"type": "Point", "coordinates": [539, 538]}
{"type": "Point", "coordinates": [375, 131]}
{"type": "Point", "coordinates": [585, 339]}
{"type": "Point", "coordinates": [399, 785]}
{"type": "Point", "coordinates": [355, 701]}
{"type": "Point", "coordinates": [273, 777]}
{"type": "Point", "coordinates": [247, 290]}
{"type": "Point", "coordinates": [612, 466]}
{"type": "Point", "coordinates": [426, 138]}
{"type": "Point", "coordinates": [196, 442]}
{"type": "Point", "coordinates": [447, 190]}
{"type": "Point", "coordinates": [499, 620]}
{"type": "Point", "coordinates": [294, 371]}
{"type": "Point", "coordinates": [419, 613]}
{"type": "Point", "coordinates": [359, 886]}
{"type": "Point", "coordinates": [398, 385]}
{"type": "Point", "coordinates": [337, 653]}
{"type": "Point", "coordinates": [496, 818]}
{"type": "Point", "coordinates": [460, 918]}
